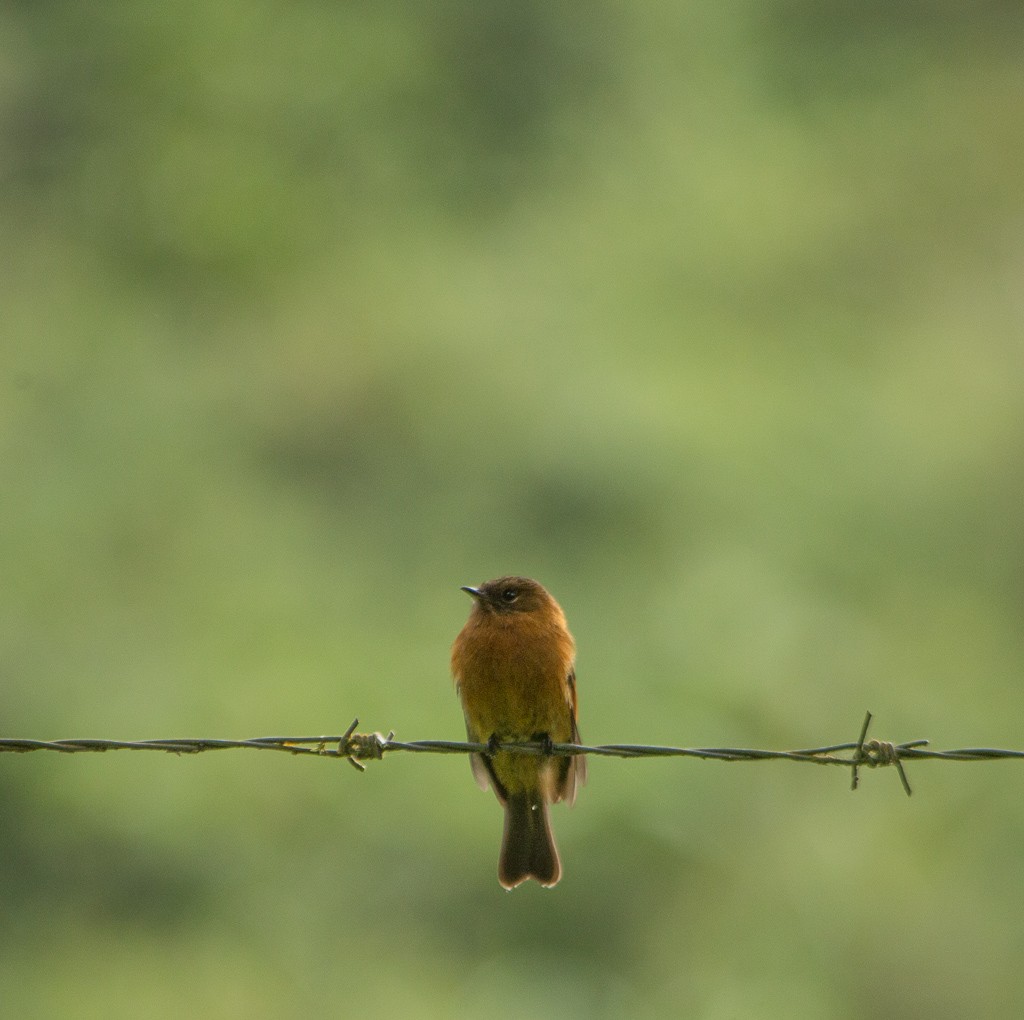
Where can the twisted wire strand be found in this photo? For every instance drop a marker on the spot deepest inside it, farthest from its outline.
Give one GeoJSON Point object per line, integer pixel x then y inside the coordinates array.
{"type": "Point", "coordinates": [357, 748]}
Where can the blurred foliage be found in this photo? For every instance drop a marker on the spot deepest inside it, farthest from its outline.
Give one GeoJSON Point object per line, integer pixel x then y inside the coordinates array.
{"type": "Point", "coordinates": [709, 318]}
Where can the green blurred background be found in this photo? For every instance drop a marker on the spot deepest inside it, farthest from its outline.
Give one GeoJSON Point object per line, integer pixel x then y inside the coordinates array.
{"type": "Point", "coordinates": [709, 316]}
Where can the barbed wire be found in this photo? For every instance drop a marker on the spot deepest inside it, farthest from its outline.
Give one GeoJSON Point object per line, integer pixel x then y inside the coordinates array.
{"type": "Point", "coordinates": [357, 748]}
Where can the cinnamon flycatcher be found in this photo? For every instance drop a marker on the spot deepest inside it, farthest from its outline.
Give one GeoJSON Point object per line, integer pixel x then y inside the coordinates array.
{"type": "Point", "coordinates": [513, 664]}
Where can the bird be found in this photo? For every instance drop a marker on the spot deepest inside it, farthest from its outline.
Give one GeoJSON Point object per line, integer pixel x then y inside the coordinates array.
{"type": "Point", "coordinates": [514, 669]}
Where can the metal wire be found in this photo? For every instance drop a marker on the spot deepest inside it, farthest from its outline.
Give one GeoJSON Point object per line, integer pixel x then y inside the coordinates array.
{"type": "Point", "coordinates": [357, 748]}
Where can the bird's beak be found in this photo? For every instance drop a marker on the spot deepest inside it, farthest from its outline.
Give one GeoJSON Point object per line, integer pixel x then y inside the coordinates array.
{"type": "Point", "coordinates": [475, 592]}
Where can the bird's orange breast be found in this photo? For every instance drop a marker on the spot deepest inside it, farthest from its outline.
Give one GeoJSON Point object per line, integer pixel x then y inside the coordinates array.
{"type": "Point", "coordinates": [513, 677]}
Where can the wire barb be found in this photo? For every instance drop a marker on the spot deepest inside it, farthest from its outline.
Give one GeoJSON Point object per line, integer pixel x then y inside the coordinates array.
{"type": "Point", "coordinates": [872, 753]}
{"type": "Point", "coordinates": [360, 747]}
{"type": "Point", "coordinates": [859, 757]}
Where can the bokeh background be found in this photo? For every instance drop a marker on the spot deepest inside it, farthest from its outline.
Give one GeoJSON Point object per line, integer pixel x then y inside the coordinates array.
{"type": "Point", "coordinates": [707, 315]}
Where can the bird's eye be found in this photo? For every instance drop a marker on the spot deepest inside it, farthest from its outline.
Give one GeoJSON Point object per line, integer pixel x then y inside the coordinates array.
{"type": "Point", "coordinates": [510, 595]}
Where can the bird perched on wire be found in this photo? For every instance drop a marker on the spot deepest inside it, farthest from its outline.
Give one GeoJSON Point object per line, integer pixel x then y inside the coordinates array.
{"type": "Point", "coordinates": [514, 668]}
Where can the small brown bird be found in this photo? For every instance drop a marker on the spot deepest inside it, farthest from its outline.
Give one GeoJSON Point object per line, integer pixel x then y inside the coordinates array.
{"type": "Point", "coordinates": [513, 665]}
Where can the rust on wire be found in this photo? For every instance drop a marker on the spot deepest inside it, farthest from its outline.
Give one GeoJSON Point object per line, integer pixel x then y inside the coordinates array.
{"type": "Point", "coordinates": [357, 748]}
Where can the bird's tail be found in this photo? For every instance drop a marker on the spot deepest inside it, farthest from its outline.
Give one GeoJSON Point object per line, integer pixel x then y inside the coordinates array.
{"type": "Point", "coordinates": [527, 846]}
